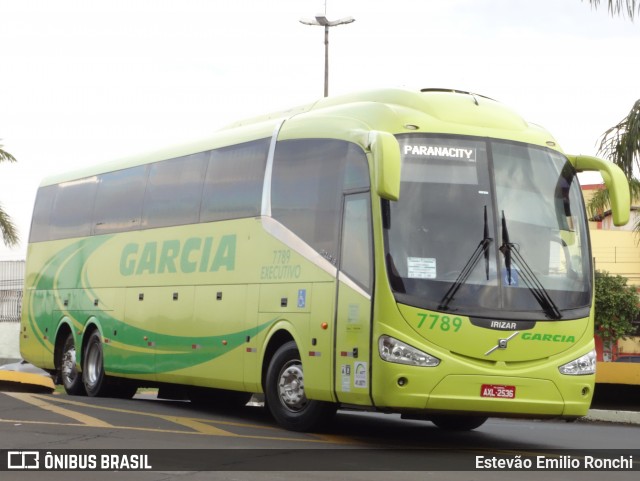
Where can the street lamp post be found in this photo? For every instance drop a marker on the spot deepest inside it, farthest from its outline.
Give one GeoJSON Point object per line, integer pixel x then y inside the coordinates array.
{"type": "Point", "coordinates": [322, 21]}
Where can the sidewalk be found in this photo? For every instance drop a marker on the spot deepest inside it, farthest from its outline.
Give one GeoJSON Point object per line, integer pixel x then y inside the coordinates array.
{"type": "Point", "coordinates": [612, 416]}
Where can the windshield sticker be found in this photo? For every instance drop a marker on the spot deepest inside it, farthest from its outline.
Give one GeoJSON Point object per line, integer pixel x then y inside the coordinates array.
{"type": "Point", "coordinates": [421, 267]}
{"type": "Point", "coordinates": [511, 280]}
{"type": "Point", "coordinates": [438, 151]}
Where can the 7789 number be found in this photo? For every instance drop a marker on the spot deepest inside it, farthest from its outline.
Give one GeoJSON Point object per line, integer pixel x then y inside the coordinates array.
{"type": "Point", "coordinates": [437, 321]}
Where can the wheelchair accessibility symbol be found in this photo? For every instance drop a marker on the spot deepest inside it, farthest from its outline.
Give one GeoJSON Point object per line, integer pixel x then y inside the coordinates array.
{"type": "Point", "coordinates": [302, 298]}
{"type": "Point", "coordinates": [515, 278]}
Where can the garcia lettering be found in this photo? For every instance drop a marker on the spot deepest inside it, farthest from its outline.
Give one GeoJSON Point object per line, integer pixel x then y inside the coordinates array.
{"type": "Point", "coordinates": [194, 254]}
{"type": "Point", "coordinates": [530, 336]}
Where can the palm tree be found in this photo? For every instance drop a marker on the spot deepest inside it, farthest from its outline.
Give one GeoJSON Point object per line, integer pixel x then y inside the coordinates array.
{"type": "Point", "coordinates": [620, 7]}
{"type": "Point", "coordinates": [621, 145]}
{"type": "Point", "coordinates": [7, 227]}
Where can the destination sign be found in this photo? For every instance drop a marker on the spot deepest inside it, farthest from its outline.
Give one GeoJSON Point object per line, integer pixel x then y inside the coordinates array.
{"type": "Point", "coordinates": [440, 152]}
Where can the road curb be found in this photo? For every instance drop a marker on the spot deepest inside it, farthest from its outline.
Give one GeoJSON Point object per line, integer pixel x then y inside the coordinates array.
{"type": "Point", "coordinates": [25, 381]}
{"type": "Point", "coordinates": [22, 376]}
{"type": "Point", "coordinates": [611, 416]}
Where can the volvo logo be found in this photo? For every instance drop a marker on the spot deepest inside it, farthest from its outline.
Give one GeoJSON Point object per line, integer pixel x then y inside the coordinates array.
{"type": "Point", "coordinates": [502, 343]}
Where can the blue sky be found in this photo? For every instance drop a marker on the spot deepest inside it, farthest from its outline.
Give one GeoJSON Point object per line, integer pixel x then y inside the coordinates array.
{"type": "Point", "coordinates": [89, 81]}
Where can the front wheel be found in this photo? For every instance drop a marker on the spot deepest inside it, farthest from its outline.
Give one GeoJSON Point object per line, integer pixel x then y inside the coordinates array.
{"type": "Point", "coordinates": [285, 396]}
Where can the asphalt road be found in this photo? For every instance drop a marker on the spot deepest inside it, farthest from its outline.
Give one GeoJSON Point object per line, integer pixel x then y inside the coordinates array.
{"type": "Point", "coordinates": [55, 422]}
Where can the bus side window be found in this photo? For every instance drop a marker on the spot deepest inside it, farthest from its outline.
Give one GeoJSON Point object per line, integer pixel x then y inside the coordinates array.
{"type": "Point", "coordinates": [356, 169]}
{"type": "Point", "coordinates": [309, 177]}
{"type": "Point", "coordinates": [72, 210]}
{"type": "Point", "coordinates": [119, 200]}
{"type": "Point", "coordinates": [233, 184]}
{"type": "Point", "coordinates": [174, 191]}
{"type": "Point", "coordinates": [42, 213]}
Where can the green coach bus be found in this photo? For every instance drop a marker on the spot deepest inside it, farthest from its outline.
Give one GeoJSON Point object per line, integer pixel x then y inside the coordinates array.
{"type": "Point", "coordinates": [424, 253]}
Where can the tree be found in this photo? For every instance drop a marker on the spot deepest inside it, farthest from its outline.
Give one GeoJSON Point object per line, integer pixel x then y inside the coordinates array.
{"type": "Point", "coordinates": [7, 227]}
{"type": "Point", "coordinates": [621, 145]}
{"type": "Point", "coordinates": [616, 307]}
{"type": "Point", "coordinates": [620, 7]}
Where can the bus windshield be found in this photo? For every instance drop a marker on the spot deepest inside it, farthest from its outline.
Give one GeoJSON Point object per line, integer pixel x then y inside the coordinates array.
{"type": "Point", "coordinates": [488, 228]}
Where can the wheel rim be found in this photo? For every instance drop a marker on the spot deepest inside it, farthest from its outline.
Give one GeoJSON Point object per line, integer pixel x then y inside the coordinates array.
{"type": "Point", "coordinates": [93, 371]}
{"type": "Point", "coordinates": [69, 371]}
{"type": "Point", "coordinates": [291, 386]}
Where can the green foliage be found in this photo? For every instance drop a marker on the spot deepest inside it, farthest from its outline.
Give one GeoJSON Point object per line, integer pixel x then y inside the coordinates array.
{"type": "Point", "coordinates": [6, 155]}
{"type": "Point", "coordinates": [621, 143]}
{"type": "Point", "coordinates": [599, 202]}
{"type": "Point", "coordinates": [7, 227]}
{"type": "Point", "coordinates": [598, 206]}
{"type": "Point", "coordinates": [616, 306]}
{"type": "Point", "coordinates": [620, 7]}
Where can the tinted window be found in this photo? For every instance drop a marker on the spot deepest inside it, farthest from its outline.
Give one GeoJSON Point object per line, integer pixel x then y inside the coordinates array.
{"type": "Point", "coordinates": [356, 168]}
{"type": "Point", "coordinates": [42, 213]}
{"type": "Point", "coordinates": [309, 177]}
{"type": "Point", "coordinates": [487, 227]}
{"type": "Point", "coordinates": [233, 184]}
{"type": "Point", "coordinates": [119, 200]}
{"type": "Point", "coordinates": [174, 191]}
{"type": "Point", "coordinates": [72, 209]}
{"type": "Point", "coordinates": [356, 239]}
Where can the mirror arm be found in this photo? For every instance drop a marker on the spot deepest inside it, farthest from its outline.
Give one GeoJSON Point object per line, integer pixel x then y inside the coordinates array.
{"type": "Point", "coordinates": [614, 179]}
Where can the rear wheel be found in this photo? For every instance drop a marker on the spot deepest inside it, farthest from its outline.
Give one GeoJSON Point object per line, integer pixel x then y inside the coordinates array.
{"type": "Point", "coordinates": [93, 376]}
{"type": "Point", "coordinates": [285, 396]}
{"type": "Point", "coordinates": [96, 382]}
{"type": "Point", "coordinates": [458, 423]}
{"type": "Point", "coordinates": [71, 378]}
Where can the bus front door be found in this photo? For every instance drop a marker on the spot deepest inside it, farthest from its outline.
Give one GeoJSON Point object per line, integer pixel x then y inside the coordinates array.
{"type": "Point", "coordinates": [353, 310]}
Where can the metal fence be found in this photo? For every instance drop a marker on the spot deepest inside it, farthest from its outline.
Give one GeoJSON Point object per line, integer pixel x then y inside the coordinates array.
{"type": "Point", "coordinates": [11, 284]}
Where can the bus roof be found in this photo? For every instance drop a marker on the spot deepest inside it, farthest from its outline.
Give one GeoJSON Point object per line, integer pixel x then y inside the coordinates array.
{"type": "Point", "coordinates": [351, 117]}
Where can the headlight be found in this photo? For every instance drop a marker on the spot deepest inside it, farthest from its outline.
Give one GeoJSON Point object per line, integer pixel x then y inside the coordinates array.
{"type": "Point", "coordinates": [396, 351]}
{"type": "Point", "coordinates": [579, 367]}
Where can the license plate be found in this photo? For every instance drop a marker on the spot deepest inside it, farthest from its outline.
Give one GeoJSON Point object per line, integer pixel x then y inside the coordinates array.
{"type": "Point", "coordinates": [498, 391]}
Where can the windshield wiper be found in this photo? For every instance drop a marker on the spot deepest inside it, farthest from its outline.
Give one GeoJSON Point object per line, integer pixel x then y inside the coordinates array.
{"type": "Point", "coordinates": [526, 273]}
{"type": "Point", "coordinates": [483, 248]}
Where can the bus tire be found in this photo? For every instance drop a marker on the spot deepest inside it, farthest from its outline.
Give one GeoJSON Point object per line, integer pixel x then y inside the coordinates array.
{"type": "Point", "coordinates": [95, 381]}
{"type": "Point", "coordinates": [71, 378]}
{"type": "Point", "coordinates": [458, 422]}
{"type": "Point", "coordinates": [285, 396]}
